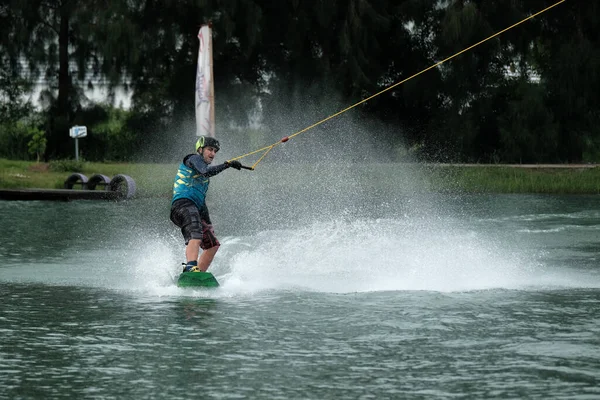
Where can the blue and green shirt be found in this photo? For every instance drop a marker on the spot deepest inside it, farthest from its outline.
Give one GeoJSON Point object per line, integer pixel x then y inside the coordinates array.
{"type": "Point", "coordinates": [192, 179]}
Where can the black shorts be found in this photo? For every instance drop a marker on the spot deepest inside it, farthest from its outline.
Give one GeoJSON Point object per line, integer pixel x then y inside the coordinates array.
{"type": "Point", "coordinates": [194, 223]}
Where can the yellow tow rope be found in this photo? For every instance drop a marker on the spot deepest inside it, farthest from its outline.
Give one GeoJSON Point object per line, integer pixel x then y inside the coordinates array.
{"type": "Point", "coordinates": [267, 149]}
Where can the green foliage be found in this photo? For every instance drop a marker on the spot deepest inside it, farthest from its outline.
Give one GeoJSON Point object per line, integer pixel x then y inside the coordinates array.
{"type": "Point", "coordinates": [303, 61]}
{"type": "Point", "coordinates": [528, 132]}
{"type": "Point", "coordinates": [15, 138]}
{"type": "Point", "coordinates": [121, 140]}
{"type": "Point", "coordinates": [12, 90]}
{"type": "Point", "coordinates": [37, 144]}
{"type": "Point", "coordinates": [67, 166]}
{"type": "Point", "coordinates": [14, 133]}
{"type": "Point", "coordinates": [591, 153]}
{"type": "Point", "coordinates": [72, 44]}
{"type": "Point", "coordinates": [109, 137]}
{"type": "Point", "coordinates": [568, 59]}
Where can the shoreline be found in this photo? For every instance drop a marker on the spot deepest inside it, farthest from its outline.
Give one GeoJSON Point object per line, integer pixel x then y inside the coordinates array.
{"type": "Point", "coordinates": [527, 166]}
{"type": "Point", "coordinates": [156, 179]}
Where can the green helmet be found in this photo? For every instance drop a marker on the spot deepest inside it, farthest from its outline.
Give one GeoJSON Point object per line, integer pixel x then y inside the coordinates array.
{"type": "Point", "coordinates": [204, 141]}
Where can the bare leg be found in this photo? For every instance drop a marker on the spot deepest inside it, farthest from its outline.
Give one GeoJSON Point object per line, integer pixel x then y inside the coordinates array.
{"type": "Point", "coordinates": [192, 250]}
{"type": "Point", "coordinates": [206, 258]}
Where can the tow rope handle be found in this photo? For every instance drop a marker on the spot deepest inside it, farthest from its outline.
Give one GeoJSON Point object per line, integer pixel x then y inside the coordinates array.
{"type": "Point", "coordinates": [241, 166]}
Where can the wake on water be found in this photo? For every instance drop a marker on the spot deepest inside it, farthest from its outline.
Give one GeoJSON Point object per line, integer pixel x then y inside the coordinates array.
{"type": "Point", "coordinates": [337, 243]}
{"type": "Point", "coordinates": [350, 256]}
{"type": "Point", "coordinates": [408, 252]}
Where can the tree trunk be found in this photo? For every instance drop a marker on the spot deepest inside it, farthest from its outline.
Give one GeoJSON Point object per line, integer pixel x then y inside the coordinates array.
{"type": "Point", "coordinates": [64, 78]}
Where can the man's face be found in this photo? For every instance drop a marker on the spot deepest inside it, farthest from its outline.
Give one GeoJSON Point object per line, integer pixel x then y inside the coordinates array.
{"type": "Point", "coordinates": [208, 153]}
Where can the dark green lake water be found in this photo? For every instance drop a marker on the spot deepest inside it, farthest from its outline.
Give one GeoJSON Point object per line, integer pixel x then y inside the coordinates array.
{"type": "Point", "coordinates": [372, 296]}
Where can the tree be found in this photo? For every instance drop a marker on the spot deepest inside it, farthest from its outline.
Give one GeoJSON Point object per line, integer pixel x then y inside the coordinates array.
{"type": "Point", "coordinates": [528, 132]}
{"type": "Point", "coordinates": [12, 86]}
{"type": "Point", "coordinates": [37, 144]}
{"type": "Point", "coordinates": [567, 55]}
{"type": "Point", "coordinates": [68, 43]}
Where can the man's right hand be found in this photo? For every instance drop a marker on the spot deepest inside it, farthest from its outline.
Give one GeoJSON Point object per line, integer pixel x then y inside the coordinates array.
{"type": "Point", "coordinates": [234, 164]}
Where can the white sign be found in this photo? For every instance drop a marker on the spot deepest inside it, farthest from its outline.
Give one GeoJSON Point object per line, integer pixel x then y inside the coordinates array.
{"type": "Point", "coordinates": [77, 132]}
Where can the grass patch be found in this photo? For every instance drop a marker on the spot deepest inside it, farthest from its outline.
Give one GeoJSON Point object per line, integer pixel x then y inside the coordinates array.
{"type": "Point", "coordinates": [157, 179]}
{"type": "Point", "coordinates": [151, 179]}
{"type": "Point", "coordinates": [501, 179]}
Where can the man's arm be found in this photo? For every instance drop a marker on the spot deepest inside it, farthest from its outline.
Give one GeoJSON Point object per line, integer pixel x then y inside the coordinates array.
{"type": "Point", "coordinates": [197, 162]}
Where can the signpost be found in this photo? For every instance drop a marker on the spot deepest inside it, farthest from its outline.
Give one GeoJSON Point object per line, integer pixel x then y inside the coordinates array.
{"type": "Point", "coordinates": [77, 132]}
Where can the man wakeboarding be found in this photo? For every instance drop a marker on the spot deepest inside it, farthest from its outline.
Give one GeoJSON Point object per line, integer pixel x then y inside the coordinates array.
{"type": "Point", "coordinates": [188, 206]}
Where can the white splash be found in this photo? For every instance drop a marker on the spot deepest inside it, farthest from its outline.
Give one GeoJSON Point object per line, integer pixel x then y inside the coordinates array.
{"type": "Point", "coordinates": [380, 255]}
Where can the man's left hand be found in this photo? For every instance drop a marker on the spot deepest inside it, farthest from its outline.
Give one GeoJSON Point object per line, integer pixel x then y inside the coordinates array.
{"type": "Point", "coordinates": [234, 164]}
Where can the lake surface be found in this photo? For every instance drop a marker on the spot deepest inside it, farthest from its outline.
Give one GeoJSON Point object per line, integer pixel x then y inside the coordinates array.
{"type": "Point", "coordinates": [377, 294]}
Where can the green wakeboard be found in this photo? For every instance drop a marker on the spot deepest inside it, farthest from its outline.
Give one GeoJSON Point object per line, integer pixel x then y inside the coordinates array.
{"type": "Point", "coordinates": [197, 279]}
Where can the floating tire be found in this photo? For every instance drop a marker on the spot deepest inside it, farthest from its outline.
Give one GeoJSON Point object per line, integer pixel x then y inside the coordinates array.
{"type": "Point", "coordinates": [76, 179]}
{"type": "Point", "coordinates": [122, 184]}
{"type": "Point", "coordinates": [98, 180]}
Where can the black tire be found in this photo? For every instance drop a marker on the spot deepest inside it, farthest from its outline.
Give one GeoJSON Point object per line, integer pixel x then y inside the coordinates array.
{"type": "Point", "coordinates": [98, 180]}
{"type": "Point", "coordinates": [123, 184]}
{"type": "Point", "coordinates": [76, 179]}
